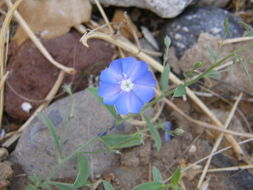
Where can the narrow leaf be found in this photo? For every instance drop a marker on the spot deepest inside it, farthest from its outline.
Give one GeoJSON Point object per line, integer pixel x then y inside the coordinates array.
{"type": "Point", "coordinates": [175, 187]}
{"type": "Point", "coordinates": [198, 65]}
{"type": "Point", "coordinates": [107, 185]}
{"type": "Point", "coordinates": [179, 91]}
{"type": "Point", "coordinates": [154, 133]}
{"type": "Point", "coordinates": [249, 34]}
{"type": "Point", "coordinates": [212, 53]}
{"type": "Point", "coordinates": [83, 171]}
{"type": "Point", "coordinates": [150, 186]}
{"type": "Point", "coordinates": [165, 78]}
{"type": "Point", "coordinates": [46, 186]}
{"type": "Point", "coordinates": [111, 109]}
{"type": "Point", "coordinates": [226, 25]}
{"type": "Point", "coordinates": [167, 42]}
{"type": "Point", "coordinates": [176, 176]}
{"type": "Point", "coordinates": [122, 141]}
{"type": "Point", "coordinates": [35, 179]}
{"type": "Point", "coordinates": [52, 131]}
{"type": "Point", "coordinates": [30, 187]}
{"type": "Point", "coordinates": [62, 186]}
{"type": "Point", "coordinates": [246, 26]}
{"type": "Point", "coordinates": [157, 176]}
{"type": "Point", "coordinates": [213, 74]}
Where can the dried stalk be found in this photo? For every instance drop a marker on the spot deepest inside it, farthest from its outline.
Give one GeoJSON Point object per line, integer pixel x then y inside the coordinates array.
{"type": "Point", "coordinates": [237, 40]}
{"type": "Point", "coordinates": [3, 33]}
{"type": "Point", "coordinates": [205, 125]}
{"type": "Point", "coordinates": [131, 48]}
{"type": "Point", "coordinates": [218, 141]}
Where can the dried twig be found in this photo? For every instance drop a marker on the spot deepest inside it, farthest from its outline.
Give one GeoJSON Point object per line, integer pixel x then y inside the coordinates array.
{"type": "Point", "coordinates": [218, 141]}
{"type": "Point", "coordinates": [203, 124]}
{"type": "Point", "coordinates": [217, 152]}
{"type": "Point", "coordinates": [237, 40]}
{"type": "Point", "coordinates": [37, 42]}
{"type": "Point", "coordinates": [131, 48]}
{"type": "Point", "coordinates": [233, 168]}
{"type": "Point", "coordinates": [3, 33]}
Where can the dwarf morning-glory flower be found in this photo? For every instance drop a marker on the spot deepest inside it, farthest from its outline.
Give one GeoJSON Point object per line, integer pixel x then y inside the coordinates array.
{"type": "Point", "coordinates": [127, 85]}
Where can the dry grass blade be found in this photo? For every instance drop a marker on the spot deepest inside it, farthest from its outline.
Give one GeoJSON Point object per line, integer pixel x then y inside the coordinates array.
{"type": "Point", "coordinates": [205, 125]}
{"type": "Point", "coordinates": [3, 33]}
{"type": "Point", "coordinates": [234, 168]}
{"type": "Point", "coordinates": [37, 42]}
{"type": "Point", "coordinates": [49, 98]}
{"type": "Point", "coordinates": [218, 141]}
{"type": "Point", "coordinates": [237, 40]}
{"type": "Point", "coordinates": [131, 48]}
{"type": "Point", "coordinates": [217, 152]}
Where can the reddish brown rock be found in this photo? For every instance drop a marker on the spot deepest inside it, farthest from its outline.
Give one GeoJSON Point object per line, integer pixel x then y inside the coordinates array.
{"type": "Point", "coordinates": [32, 76]}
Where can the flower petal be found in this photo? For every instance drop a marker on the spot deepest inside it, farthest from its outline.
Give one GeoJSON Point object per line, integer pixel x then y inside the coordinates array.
{"type": "Point", "coordinates": [128, 102]}
{"type": "Point", "coordinates": [147, 79]}
{"type": "Point", "coordinates": [116, 66]}
{"type": "Point", "coordinates": [145, 93]}
{"type": "Point", "coordinates": [109, 92]}
{"type": "Point", "coordinates": [109, 77]}
{"type": "Point", "coordinates": [133, 68]}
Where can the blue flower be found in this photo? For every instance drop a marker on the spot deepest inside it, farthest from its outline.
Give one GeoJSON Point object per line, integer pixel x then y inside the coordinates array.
{"type": "Point", "coordinates": [167, 127]}
{"type": "Point", "coordinates": [127, 84]}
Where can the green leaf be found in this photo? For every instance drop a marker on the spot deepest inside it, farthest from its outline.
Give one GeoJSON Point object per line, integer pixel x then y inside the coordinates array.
{"type": "Point", "coordinates": [31, 187]}
{"type": "Point", "coordinates": [212, 53]}
{"type": "Point", "coordinates": [176, 176]}
{"type": "Point", "coordinates": [111, 109]}
{"type": "Point", "coordinates": [67, 89]}
{"type": "Point", "coordinates": [226, 25]}
{"type": "Point", "coordinates": [179, 91]}
{"type": "Point", "coordinates": [122, 141]}
{"type": "Point", "coordinates": [167, 41]}
{"type": "Point", "coordinates": [198, 65]}
{"type": "Point", "coordinates": [165, 78]}
{"type": "Point", "coordinates": [52, 131]}
{"type": "Point", "coordinates": [213, 74]}
{"type": "Point", "coordinates": [175, 187]}
{"type": "Point", "coordinates": [46, 186]}
{"type": "Point", "coordinates": [154, 133]}
{"type": "Point", "coordinates": [35, 179]}
{"type": "Point", "coordinates": [150, 186]}
{"type": "Point", "coordinates": [157, 176]}
{"type": "Point", "coordinates": [107, 185]}
{"type": "Point", "coordinates": [63, 186]}
{"type": "Point", "coordinates": [246, 26]}
{"type": "Point", "coordinates": [249, 34]}
{"type": "Point", "coordinates": [83, 171]}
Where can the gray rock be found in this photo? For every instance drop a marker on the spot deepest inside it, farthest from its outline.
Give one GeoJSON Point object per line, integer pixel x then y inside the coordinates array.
{"type": "Point", "coordinates": [216, 3]}
{"type": "Point", "coordinates": [185, 30]}
{"type": "Point", "coordinates": [163, 8]}
{"type": "Point", "coordinates": [36, 152]}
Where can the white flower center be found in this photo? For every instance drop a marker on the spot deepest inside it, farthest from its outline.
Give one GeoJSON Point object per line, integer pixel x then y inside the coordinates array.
{"type": "Point", "coordinates": [126, 85]}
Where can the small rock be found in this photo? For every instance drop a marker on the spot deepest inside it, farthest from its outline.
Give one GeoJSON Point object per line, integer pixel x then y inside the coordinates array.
{"type": "Point", "coordinates": [6, 171]}
{"type": "Point", "coordinates": [234, 79]}
{"type": "Point", "coordinates": [32, 75]}
{"type": "Point", "coordinates": [163, 8]}
{"type": "Point", "coordinates": [3, 154]}
{"type": "Point", "coordinates": [185, 29]}
{"type": "Point", "coordinates": [36, 152]}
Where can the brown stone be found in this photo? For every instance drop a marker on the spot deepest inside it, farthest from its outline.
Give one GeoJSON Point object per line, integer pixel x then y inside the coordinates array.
{"type": "Point", "coordinates": [32, 76]}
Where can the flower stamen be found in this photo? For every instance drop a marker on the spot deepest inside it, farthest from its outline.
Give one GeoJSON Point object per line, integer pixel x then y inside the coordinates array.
{"type": "Point", "coordinates": [126, 85]}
